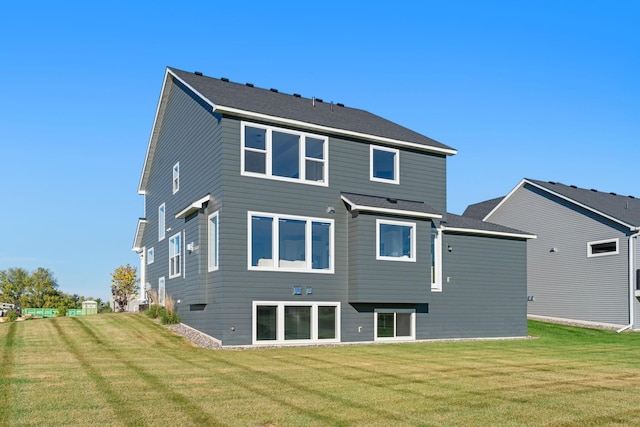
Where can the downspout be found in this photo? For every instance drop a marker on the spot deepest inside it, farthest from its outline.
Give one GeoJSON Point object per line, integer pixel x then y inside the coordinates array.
{"type": "Point", "coordinates": [632, 289]}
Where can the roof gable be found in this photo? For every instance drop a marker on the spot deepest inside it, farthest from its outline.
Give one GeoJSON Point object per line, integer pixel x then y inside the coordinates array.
{"type": "Point", "coordinates": [624, 210]}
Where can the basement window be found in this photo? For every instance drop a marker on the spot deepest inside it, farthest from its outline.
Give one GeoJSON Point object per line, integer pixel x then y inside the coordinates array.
{"type": "Point", "coordinates": [603, 248]}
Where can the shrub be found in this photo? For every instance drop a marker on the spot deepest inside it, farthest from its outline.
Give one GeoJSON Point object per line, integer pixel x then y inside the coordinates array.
{"type": "Point", "coordinates": [62, 311]}
{"type": "Point", "coordinates": [169, 316]}
{"type": "Point", "coordinates": [153, 311]}
{"type": "Point", "coordinates": [12, 316]}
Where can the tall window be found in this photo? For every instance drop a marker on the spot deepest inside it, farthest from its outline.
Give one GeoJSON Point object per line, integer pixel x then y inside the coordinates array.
{"type": "Point", "coordinates": [394, 324]}
{"type": "Point", "coordinates": [284, 154]}
{"type": "Point", "coordinates": [213, 241]}
{"type": "Point", "coordinates": [384, 164]}
{"type": "Point", "coordinates": [161, 222]}
{"type": "Point", "coordinates": [176, 177]}
{"type": "Point", "coordinates": [150, 256]}
{"type": "Point", "coordinates": [395, 240]}
{"type": "Point", "coordinates": [296, 322]}
{"type": "Point", "coordinates": [175, 252]}
{"type": "Point", "coordinates": [436, 259]}
{"type": "Point", "coordinates": [290, 243]}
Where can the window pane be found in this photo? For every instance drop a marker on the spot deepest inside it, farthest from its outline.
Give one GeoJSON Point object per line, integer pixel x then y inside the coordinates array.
{"type": "Point", "coordinates": [254, 138]}
{"type": "Point", "coordinates": [403, 324]}
{"type": "Point", "coordinates": [395, 241]}
{"type": "Point", "coordinates": [292, 243]}
{"type": "Point", "coordinates": [261, 241]}
{"type": "Point", "coordinates": [326, 322]}
{"type": "Point", "coordinates": [255, 162]}
{"type": "Point", "coordinates": [433, 255]}
{"type": "Point", "coordinates": [385, 325]}
{"type": "Point", "coordinates": [286, 155]}
{"type": "Point", "coordinates": [267, 323]}
{"type": "Point", "coordinates": [384, 164]}
{"type": "Point", "coordinates": [314, 148]}
{"type": "Point", "coordinates": [314, 170]}
{"type": "Point", "coordinates": [213, 242]}
{"type": "Point", "coordinates": [320, 252]}
{"type": "Point", "coordinates": [297, 323]}
{"type": "Point", "coordinates": [603, 248]}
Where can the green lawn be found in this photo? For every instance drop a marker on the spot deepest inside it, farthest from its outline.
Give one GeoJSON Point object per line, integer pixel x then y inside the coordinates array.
{"type": "Point", "coordinates": [124, 369]}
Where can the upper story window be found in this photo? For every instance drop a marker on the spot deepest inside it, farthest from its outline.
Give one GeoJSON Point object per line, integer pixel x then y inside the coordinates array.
{"type": "Point", "coordinates": [176, 178]}
{"type": "Point", "coordinates": [284, 154]}
{"type": "Point", "coordinates": [161, 222]}
{"type": "Point", "coordinates": [150, 256]}
{"type": "Point", "coordinates": [395, 240]}
{"type": "Point", "coordinates": [213, 241]}
{"type": "Point", "coordinates": [290, 243]}
{"type": "Point", "coordinates": [384, 164]}
{"type": "Point", "coordinates": [175, 258]}
{"type": "Point", "coordinates": [603, 247]}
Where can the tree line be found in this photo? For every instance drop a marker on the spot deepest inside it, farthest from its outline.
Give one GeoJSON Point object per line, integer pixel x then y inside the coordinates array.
{"type": "Point", "coordinates": [38, 289]}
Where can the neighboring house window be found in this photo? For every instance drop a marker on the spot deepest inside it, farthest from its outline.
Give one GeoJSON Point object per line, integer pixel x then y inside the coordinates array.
{"type": "Point", "coordinates": [303, 322]}
{"type": "Point", "coordinates": [436, 259]}
{"type": "Point", "coordinates": [161, 222]}
{"type": "Point", "coordinates": [175, 251]}
{"type": "Point", "coordinates": [395, 240]}
{"type": "Point", "coordinates": [176, 177]}
{"type": "Point", "coordinates": [390, 324]}
{"type": "Point", "coordinates": [161, 291]}
{"type": "Point", "coordinates": [213, 241]}
{"type": "Point", "coordinates": [284, 154]}
{"type": "Point", "coordinates": [289, 243]}
{"type": "Point", "coordinates": [603, 247]}
{"type": "Point", "coordinates": [384, 164]}
{"type": "Point", "coordinates": [150, 256]}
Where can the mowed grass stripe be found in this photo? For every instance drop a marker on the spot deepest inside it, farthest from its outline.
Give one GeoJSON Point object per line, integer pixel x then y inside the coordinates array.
{"type": "Point", "coordinates": [6, 371]}
{"type": "Point", "coordinates": [156, 381]}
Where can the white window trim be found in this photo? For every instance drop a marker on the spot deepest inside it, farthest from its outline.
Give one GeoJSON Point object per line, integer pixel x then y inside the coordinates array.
{"type": "Point", "coordinates": [162, 216]}
{"type": "Point", "coordinates": [413, 240]}
{"type": "Point", "coordinates": [162, 291]}
{"type": "Point", "coordinates": [269, 155]}
{"type": "Point", "coordinates": [181, 254]}
{"type": "Point", "coordinates": [175, 182]}
{"type": "Point", "coordinates": [280, 322]}
{"type": "Point", "coordinates": [396, 164]}
{"type": "Point", "coordinates": [394, 311]}
{"type": "Point", "coordinates": [150, 255]}
{"type": "Point", "coordinates": [275, 246]}
{"type": "Point", "coordinates": [436, 286]}
{"type": "Point", "coordinates": [590, 253]}
{"type": "Point", "coordinates": [210, 244]}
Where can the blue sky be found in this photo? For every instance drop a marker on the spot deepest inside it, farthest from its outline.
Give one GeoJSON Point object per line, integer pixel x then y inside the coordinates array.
{"type": "Point", "coordinates": [545, 90]}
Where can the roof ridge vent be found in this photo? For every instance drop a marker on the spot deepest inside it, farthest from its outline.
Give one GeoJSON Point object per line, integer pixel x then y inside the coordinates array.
{"type": "Point", "coordinates": [613, 194]}
{"type": "Point", "coordinates": [224, 79]}
{"type": "Point", "coordinates": [552, 182]}
{"type": "Point", "coordinates": [391, 200]}
{"type": "Point", "coordinates": [594, 190]}
{"type": "Point", "coordinates": [340, 104]}
{"type": "Point", "coordinates": [274, 90]}
{"type": "Point", "coordinates": [573, 186]}
{"type": "Point", "coordinates": [249, 84]}
{"type": "Point", "coordinates": [631, 197]}
{"type": "Point", "coordinates": [319, 99]}
{"type": "Point", "coordinates": [297, 95]}
{"type": "Point", "coordinates": [197, 73]}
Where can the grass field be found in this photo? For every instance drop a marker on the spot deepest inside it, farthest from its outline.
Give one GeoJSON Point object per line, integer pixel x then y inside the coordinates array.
{"type": "Point", "coordinates": [124, 369]}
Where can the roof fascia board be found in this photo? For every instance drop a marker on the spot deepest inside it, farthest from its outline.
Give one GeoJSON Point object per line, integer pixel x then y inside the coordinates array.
{"type": "Point", "coordinates": [568, 199]}
{"type": "Point", "coordinates": [400, 212]}
{"type": "Point", "coordinates": [504, 199]}
{"type": "Point", "coordinates": [137, 240]}
{"type": "Point", "coordinates": [328, 129]}
{"type": "Point", "coordinates": [488, 232]}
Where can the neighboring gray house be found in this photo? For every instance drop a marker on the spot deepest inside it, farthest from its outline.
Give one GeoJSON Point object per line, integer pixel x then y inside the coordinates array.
{"type": "Point", "coordinates": [584, 264]}
{"type": "Point", "coordinates": [277, 219]}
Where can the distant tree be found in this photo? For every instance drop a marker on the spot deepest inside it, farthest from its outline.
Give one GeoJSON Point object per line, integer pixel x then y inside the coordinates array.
{"type": "Point", "coordinates": [123, 286]}
{"type": "Point", "coordinates": [13, 284]}
{"type": "Point", "coordinates": [41, 287]}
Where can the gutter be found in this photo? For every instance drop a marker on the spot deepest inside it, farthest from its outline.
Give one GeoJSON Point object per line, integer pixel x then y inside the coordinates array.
{"type": "Point", "coordinates": [632, 289]}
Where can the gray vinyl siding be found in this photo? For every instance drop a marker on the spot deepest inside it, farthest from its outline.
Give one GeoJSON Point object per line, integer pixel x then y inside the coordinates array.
{"type": "Point", "coordinates": [566, 283]}
{"type": "Point", "coordinates": [485, 295]}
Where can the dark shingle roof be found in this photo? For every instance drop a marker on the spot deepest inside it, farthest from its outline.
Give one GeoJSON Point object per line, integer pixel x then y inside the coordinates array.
{"type": "Point", "coordinates": [389, 204]}
{"type": "Point", "coordinates": [480, 210]}
{"type": "Point", "coordinates": [467, 223]}
{"type": "Point", "coordinates": [272, 103]}
{"type": "Point", "coordinates": [625, 209]}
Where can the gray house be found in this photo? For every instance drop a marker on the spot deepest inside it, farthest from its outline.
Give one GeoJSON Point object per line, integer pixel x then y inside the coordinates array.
{"type": "Point", "coordinates": [584, 264]}
{"type": "Point", "coordinates": [278, 219]}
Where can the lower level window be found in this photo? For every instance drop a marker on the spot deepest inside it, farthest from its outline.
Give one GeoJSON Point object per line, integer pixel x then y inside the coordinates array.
{"type": "Point", "coordinates": [394, 324]}
{"type": "Point", "coordinates": [175, 249]}
{"type": "Point", "coordinates": [280, 322]}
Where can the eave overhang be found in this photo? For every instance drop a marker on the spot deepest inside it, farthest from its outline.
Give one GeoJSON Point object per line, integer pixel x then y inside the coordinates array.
{"type": "Point", "coordinates": [137, 240]}
{"type": "Point", "coordinates": [193, 207]}
{"type": "Point", "coordinates": [389, 206]}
